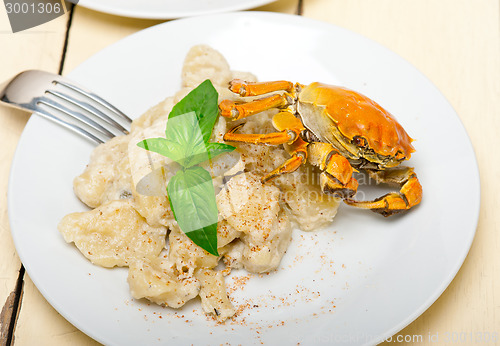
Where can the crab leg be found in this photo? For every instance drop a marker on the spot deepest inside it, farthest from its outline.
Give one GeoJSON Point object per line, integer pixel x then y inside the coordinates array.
{"type": "Point", "coordinates": [285, 122]}
{"type": "Point", "coordinates": [289, 166]}
{"type": "Point", "coordinates": [238, 110]}
{"type": "Point", "coordinates": [336, 177]}
{"type": "Point", "coordinates": [275, 138]}
{"type": "Point", "coordinates": [259, 88]}
{"type": "Point", "coordinates": [298, 150]}
{"type": "Point", "coordinates": [408, 196]}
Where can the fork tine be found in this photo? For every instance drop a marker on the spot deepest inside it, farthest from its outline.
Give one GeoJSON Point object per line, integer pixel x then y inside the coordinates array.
{"type": "Point", "coordinates": [76, 115]}
{"type": "Point", "coordinates": [79, 130]}
{"type": "Point", "coordinates": [90, 109]}
{"type": "Point", "coordinates": [95, 98]}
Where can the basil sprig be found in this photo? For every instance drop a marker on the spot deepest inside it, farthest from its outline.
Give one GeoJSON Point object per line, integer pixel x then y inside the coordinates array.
{"type": "Point", "coordinates": [187, 142]}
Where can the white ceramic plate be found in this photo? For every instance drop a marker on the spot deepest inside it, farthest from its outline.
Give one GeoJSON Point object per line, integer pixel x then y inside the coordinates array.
{"type": "Point", "coordinates": [358, 282]}
{"type": "Point", "coordinates": [169, 9]}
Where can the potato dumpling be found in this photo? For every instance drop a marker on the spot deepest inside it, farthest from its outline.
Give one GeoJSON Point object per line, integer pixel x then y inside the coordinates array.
{"type": "Point", "coordinates": [107, 176]}
{"type": "Point", "coordinates": [214, 299]}
{"type": "Point", "coordinates": [253, 209]}
{"type": "Point", "coordinates": [157, 280]}
{"type": "Point", "coordinates": [113, 234]}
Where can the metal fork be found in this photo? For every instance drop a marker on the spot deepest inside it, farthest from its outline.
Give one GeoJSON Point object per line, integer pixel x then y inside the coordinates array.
{"type": "Point", "coordinates": [64, 102]}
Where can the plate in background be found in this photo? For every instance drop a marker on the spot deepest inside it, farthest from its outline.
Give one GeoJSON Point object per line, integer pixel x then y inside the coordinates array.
{"type": "Point", "coordinates": [169, 9]}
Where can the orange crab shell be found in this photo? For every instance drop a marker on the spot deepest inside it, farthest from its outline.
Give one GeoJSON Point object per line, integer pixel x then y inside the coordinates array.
{"type": "Point", "coordinates": [355, 115]}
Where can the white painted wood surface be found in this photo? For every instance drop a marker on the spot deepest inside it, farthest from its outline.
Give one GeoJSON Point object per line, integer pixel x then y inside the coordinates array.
{"type": "Point", "coordinates": [40, 47]}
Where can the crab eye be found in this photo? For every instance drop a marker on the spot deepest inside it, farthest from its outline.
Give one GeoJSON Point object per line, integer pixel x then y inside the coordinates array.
{"type": "Point", "coordinates": [360, 141]}
{"type": "Point", "coordinates": [400, 155]}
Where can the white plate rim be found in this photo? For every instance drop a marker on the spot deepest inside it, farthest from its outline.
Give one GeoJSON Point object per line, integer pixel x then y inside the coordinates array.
{"type": "Point", "coordinates": [142, 10]}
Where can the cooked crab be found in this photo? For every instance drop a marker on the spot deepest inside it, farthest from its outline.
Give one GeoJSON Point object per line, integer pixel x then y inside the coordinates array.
{"type": "Point", "coordinates": [336, 129]}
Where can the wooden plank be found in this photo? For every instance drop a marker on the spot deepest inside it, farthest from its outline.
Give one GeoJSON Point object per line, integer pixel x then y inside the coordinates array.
{"type": "Point", "coordinates": [455, 43]}
{"type": "Point", "coordinates": [93, 31]}
{"type": "Point", "coordinates": [40, 324]}
{"type": "Point", "coordinates": [41, 48]}
{"type": "Point", "coordinates": [281, 6]}
{"type": "Point", "coordinates": [10, 311]}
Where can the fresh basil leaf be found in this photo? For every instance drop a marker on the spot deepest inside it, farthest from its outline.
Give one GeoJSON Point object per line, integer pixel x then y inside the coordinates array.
{"type": "Point", "coordinates": [158, 145]}
{"type": "Point", "coordinates": [215, 149]}
{"type": "Point", "coordinates": [190, 190]}
{"type": "Point", "coordinates": [185, 131]}
{"type": "Point", "coordinates": [192, 199]}
{"type": "Point", "coordinates": [172, 150]}
{"type": "Point", "coordinates": [204, 101]}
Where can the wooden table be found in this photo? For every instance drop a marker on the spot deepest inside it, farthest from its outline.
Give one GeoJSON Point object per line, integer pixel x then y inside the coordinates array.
{"type": "Point", "coordinates": [455, 43]}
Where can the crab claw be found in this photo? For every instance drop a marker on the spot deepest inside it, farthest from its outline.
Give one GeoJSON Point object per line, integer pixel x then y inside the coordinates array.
{"type": "Point", "coordinates": [392, 203]}
{"type": "Point", "coordinates": [331, 185]}
{"type": "Point", "coordinates": [336, 178]}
